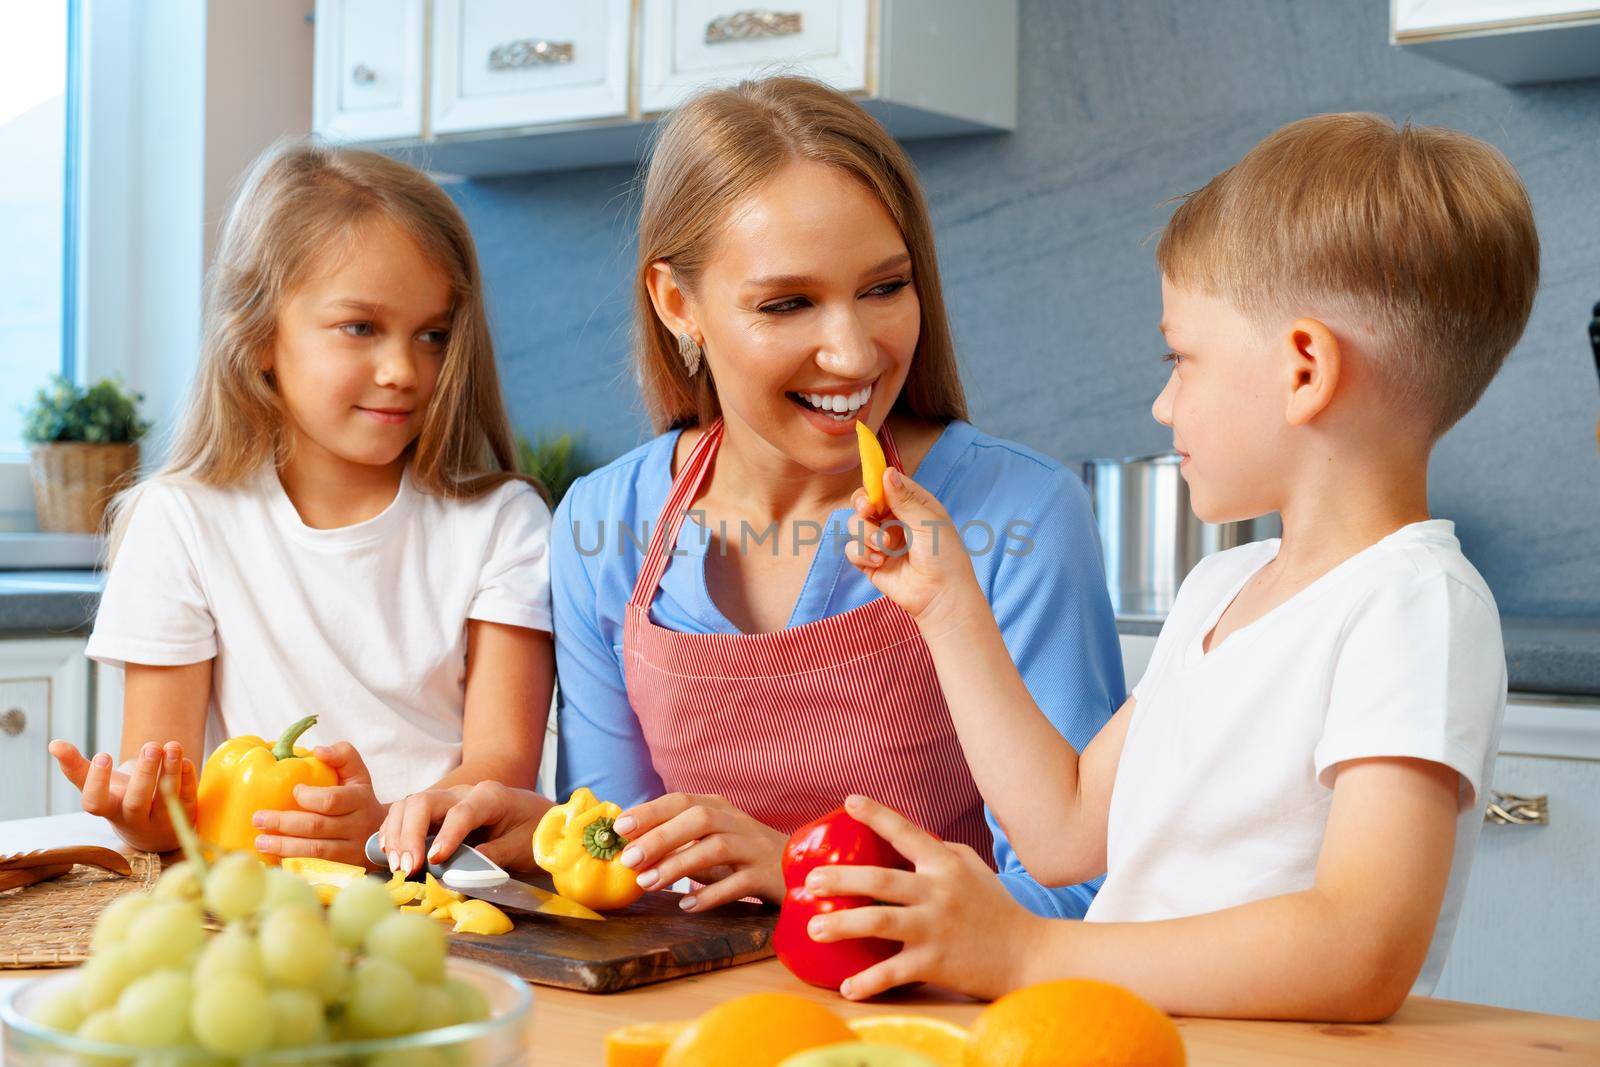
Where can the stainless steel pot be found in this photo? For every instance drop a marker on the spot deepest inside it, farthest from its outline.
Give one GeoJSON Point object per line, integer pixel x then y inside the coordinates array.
{"type": "Point", "coordinates": [1149, 536]}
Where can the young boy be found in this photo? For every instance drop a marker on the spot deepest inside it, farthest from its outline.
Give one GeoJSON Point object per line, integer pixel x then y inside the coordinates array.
{"type": "Point", "coordinates": [1287, 804]}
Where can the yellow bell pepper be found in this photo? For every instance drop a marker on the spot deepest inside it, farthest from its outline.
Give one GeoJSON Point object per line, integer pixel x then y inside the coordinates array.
{"type": "Point", "coordinates": [873, 464]}
{"type": "Point", "coordinates": [576, 844]}
{"type": "Point", "coordinates": [246, 775]}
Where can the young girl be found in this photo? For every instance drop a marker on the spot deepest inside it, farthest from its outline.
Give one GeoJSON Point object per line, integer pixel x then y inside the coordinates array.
{"type": "Point", "coordinates": [339, 529]}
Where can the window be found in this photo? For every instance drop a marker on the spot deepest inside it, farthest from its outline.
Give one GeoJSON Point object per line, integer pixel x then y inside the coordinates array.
{"type": "Point", "coordinates": [36, 205]}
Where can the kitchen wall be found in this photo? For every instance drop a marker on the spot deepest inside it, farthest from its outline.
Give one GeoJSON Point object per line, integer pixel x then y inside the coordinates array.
{"type": "Point", "coordinates": [1049, 279]}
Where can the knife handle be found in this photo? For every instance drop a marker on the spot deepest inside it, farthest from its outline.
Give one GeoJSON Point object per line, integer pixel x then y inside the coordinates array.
{"type": "Point", "coordinates": [463, 869]}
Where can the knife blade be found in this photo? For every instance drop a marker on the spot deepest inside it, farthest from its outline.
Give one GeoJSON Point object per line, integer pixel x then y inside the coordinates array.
{"type": "Point", "coordinates": [473, 874]}
{"type": "Point", "coordinates": [520, 896]}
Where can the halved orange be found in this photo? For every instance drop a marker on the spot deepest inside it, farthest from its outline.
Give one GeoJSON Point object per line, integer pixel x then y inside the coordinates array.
{"type": "Point", "coordinates": [641, 1044]}
{"type": "Point", "coordinates": [938, 1039]}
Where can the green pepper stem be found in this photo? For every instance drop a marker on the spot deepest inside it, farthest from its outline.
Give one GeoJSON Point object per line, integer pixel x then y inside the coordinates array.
{"type": "Point", "coordinates": [284, 749]}
{"type": "Point", "coordinates": [601, 841]}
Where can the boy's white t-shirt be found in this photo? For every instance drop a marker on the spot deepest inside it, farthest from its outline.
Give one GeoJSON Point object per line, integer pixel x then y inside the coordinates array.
{"type": "Point", "coordinates": [1227, 771]}
{"type": "Point", "coordinates": [364, 625]}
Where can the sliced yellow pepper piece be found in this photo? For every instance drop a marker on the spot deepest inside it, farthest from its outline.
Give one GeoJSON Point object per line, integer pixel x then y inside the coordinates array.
{"type": "Point", "coordinates": [401, 891]}
{"type": "Point", "coordinates": [327, 877]}
{"type": "Point", "coordinates": [873, 463]}
{"type": "Point", "coordinates": [479, 917]}
{"type": "Point", "coordinates": [576, 843]}
{"type": "Point", "coordinates": [439, 895]}
{"type": "Point", "coordinates": [423, 908]}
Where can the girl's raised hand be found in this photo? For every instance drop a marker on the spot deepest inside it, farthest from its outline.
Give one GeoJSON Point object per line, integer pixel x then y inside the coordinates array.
{"type": "Point", "coordinates": [912, 551]}
{"type": "Point", "coordinates": [333, 821]}
{"type": "Point", "coordinates": [128, 798]}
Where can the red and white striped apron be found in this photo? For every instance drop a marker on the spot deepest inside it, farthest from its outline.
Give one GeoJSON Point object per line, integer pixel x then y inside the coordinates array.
{"type": "Point", "coordinates": [786, 724]}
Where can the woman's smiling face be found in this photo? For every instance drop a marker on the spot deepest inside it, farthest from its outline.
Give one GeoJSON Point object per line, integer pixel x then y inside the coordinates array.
{"type": "Point", "coordinates": [808, 302]}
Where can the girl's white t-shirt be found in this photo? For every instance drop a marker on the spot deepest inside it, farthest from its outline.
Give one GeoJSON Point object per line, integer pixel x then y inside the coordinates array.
{"type": "Point", "coordinates": [1227, 771]}
{"type": "Point", "coordinates": [364, 625]}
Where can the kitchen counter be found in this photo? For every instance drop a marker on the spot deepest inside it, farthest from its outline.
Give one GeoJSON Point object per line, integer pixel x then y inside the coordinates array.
{"type": "Point", "coordinates": [1542, 655]}
{"type": "Point", "coordinates": [568, 1027]}
{"type": "Point", "coordinates": [48, 602]}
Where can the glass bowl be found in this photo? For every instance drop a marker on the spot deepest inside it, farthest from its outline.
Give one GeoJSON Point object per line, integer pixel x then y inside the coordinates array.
{"type": "Point", "coordinates": [498, 1041]}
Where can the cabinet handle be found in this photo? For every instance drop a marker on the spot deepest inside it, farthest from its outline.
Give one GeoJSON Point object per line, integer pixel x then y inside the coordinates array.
{"type": "Point", "coordinates": [1508, 809]}
{"type": "Point", "coordinates": [745, 25]}
{"type": "Point", "coordinates": [13, 722]}
{"type": "Point", "coordinates": [363, 74]}
{"type": "Point", "coordinates": [517, 55]}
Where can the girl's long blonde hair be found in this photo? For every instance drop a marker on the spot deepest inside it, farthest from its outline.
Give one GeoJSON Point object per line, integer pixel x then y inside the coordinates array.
{"type": "Point", "coordinates": [715, 150]}
{"type": "Point", "coordinates": [300, 199]}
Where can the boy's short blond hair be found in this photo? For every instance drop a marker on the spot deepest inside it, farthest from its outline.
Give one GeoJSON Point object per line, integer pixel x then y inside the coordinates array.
{"type": "Point", "coordinates": [1421, 238]}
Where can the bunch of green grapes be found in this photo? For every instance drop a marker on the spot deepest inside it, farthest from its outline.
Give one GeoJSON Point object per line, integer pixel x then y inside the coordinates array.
{"type": "Point", "coordinates": [281, 973]}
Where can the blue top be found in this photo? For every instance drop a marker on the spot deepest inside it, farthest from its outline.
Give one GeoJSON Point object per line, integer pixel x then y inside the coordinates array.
{"type": "Point", "coordinates": [1049, 598]}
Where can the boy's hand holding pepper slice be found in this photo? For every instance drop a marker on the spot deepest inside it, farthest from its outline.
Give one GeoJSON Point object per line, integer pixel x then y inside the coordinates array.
{"type": "Point", "coordinates": [910, 549]}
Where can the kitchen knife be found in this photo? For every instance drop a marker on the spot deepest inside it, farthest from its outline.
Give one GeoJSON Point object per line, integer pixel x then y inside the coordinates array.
{"type": "Point", "coordinates": [470, 872]}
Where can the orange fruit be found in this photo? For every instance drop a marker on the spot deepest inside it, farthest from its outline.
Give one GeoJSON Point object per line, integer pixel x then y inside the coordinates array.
{"type": "Point", "coordinates": [943, 1042]}
{"type": "Point", "coordinates": [1076, 1021]}
{"type": "Point", "coordinates": [759, 1030]}
{"type": "Point", "coordinates": [641, 1044]}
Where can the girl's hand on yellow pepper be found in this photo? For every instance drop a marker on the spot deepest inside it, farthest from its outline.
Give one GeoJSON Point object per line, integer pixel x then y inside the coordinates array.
{"type": "Point", "coordinates": [127, 797]}
{"type": "Point", "coordinates": [959, 927]}
{"type": "Point", "coordinates": [335, 820]}
{"type": "Point", "coordinates": [506, 815]}
{"type": "Point", "coordinates": [686, 835]}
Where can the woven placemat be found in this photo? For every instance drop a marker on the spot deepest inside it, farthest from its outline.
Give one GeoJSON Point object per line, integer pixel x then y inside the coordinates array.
{"type": "Point", "coordinates": [49, 924]}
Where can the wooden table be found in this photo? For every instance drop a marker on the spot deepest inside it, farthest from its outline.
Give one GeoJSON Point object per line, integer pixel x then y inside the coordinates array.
{"type": "Point", "coordinates": [568, 1027]}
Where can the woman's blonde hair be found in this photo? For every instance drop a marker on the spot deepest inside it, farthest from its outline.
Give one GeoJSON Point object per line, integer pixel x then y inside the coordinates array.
{"type": "Point", "coordinates": [300, 201]}
{"type": "Point", "coordinates": [721, 146]}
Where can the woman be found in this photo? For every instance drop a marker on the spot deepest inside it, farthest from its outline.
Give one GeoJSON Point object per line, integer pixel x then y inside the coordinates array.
{"type": "Point", "coordinates": [787, 287]}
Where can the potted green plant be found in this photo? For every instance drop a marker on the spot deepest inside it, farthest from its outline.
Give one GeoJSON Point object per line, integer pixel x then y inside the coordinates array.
{"type": "Point", "coordinates": [83, 447]}
{"type": "Point", "coordinates": [557, 460]}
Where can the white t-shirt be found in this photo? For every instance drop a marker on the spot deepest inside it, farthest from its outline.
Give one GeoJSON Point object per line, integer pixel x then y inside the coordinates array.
{"type": "Point", "coordinates": [1226, 778]}
{"type": "Point", "coordinates": [363, 625]}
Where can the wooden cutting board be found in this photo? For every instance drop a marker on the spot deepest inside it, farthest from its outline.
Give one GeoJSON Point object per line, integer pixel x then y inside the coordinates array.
{"type": "Point", "coordinates": [652, 940]}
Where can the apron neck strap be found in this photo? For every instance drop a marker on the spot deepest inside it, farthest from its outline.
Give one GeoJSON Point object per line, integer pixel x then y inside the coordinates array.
{"type": "Point", "coordinates": [685, 487]}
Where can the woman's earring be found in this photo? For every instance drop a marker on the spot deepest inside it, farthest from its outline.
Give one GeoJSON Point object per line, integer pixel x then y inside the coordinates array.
{"type": "Point", "coordinates": [690, 352]}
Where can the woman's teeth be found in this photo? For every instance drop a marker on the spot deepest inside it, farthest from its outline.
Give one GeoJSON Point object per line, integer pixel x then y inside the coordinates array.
{"type": "Point", "coordinates": [836, 405]}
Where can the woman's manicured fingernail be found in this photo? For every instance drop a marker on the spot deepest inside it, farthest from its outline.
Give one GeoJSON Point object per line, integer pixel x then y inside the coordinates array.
{"type": "Point", "coordinates": [405, 862]}
{"type": "Point", "coordinates": [625, 825]}
{"type": "Point", "coordinates": [259, 820]}
{"type": "Point", "coordinates": [852, 803]}
{"type": "Point", "coordinates": [261, 844]}
{"type": "Point", "coordinates": [814, 882]}
{"type": "Point", "coordinates": [845, 988]}
{"type": "Point", "coordinates": [816, 928]}
{"type": "Point", "coordinates": [630, 856]}
{"type": "Point", "coordinates": [102, 759]}
{"type": "Point", "coordinates": [648, 879]}
{"type": "Point", "coordinates": [688, 903]}
{"type": "Point", "coordinates": [894, 477]}
{"type": "Point", "coordinates": [394, 862]}
{"type": "Point", "coordinates": [150, 751]}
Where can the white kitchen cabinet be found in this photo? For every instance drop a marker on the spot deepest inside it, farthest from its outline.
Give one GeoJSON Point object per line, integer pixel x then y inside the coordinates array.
{"type": "Point", "coordinates": [1510, 41]}
{"type": "Point", "coordinates": [518, 86]}
{"type": "Point", "coordinates": [369, 69]}
{"type": "Point", "coordinates": [687, 44]}
{"type": "Point", "coordinates": [1529, 927]}
{"type": "Point", "coordinates": [511, 63]}
{"type": "Point", "coordinates": [43, 695]}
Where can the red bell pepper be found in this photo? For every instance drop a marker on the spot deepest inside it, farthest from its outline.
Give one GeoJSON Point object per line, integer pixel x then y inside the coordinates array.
{"type": "Point", "coordinates": [834, 839]}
